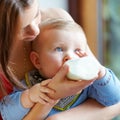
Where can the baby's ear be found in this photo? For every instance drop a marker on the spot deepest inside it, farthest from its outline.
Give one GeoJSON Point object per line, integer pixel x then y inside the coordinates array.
{"type": "Point", "coordinates": [34, 57]}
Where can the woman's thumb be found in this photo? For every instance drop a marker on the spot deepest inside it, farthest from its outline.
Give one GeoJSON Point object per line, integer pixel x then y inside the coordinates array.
{"type": "Point", "coordinates": [61, 74]}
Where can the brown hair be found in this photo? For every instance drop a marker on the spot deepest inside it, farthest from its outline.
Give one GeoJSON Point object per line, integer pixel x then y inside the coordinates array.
{"type": "Point", "coordinates": [10, 12]}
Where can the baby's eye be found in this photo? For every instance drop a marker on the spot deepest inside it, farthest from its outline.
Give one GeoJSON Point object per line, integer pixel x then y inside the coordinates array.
{"type": "Point", "coordinates": [59, 49]}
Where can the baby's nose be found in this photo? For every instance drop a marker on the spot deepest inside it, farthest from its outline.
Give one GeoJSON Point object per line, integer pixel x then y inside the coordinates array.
{"type": "Point", "coordinates": [66, 58]}
{"type": "Point", "coordinates": [70, 56]}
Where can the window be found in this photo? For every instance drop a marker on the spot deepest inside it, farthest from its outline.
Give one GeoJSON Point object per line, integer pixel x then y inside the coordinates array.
{"type": "Point", "coordinates": [111, 34]}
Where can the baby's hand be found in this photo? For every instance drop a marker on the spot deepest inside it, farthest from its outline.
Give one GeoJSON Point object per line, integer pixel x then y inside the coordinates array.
{"type": "Point", "coordinates": [96, 63]}
{"type": "Point", "coordinates": [38, 93]}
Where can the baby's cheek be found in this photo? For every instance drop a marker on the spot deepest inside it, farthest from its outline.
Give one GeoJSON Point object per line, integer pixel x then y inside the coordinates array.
{"type": "Point", "coordinates": [52, 71]}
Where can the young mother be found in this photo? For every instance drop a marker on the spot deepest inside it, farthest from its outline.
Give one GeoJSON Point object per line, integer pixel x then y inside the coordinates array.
{"type": "Point", "coordinates": [19, 21]}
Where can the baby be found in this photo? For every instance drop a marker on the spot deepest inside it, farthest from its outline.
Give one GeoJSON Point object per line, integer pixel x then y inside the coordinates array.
{"type": "Point", "coordinates": [58, 42]}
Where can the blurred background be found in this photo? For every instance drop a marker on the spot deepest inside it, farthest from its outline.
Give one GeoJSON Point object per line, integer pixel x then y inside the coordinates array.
{"type": "Point", "coordinates": [100, 20]}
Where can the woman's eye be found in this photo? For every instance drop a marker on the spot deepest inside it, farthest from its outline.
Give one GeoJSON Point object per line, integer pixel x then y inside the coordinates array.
{"type": "Point", "coordinates": [59, 49]}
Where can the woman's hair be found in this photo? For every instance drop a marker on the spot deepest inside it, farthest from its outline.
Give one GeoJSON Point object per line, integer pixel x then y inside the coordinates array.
{"type": "Point", "coordinates": [10, 13]}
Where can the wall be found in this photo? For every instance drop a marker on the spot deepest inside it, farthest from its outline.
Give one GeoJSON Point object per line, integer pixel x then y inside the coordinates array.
{"type": "Point", "coordinates": [54, 3]}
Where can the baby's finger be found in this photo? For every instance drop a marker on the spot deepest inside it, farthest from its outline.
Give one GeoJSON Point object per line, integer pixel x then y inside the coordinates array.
{"type": "Point", "coordinates": [45, 99]}
{"type": "Point", "coordinates": [46, 90]}
{"type": "Point", "coordinates": [81, 53]}
{"type": "Point", "coordinates": [40, 100]}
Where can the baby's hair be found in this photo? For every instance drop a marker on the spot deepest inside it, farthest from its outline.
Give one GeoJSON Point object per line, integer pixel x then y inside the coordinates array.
{"type": "Point", "coordinates": [58, 24]}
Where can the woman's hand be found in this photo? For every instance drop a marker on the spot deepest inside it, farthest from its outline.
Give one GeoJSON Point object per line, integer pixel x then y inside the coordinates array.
{"type": "Point", "coordinates": [64, 87]}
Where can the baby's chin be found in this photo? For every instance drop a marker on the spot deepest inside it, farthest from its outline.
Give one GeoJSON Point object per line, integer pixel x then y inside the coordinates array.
{"type": "Point", "coordinates": [48, 76]}
{"type": "Point", "coordinates": [82, 68]}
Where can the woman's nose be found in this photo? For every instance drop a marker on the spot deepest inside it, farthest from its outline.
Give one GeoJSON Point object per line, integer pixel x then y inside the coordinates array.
{"type": "Point", "coordinates": [33, 29]}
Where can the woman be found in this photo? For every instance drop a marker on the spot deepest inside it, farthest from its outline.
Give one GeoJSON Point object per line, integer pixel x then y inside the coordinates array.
{"type": "Point", "coordinates": [19, 23]}
{"type": "Point", "coordinates": [12, 23]}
